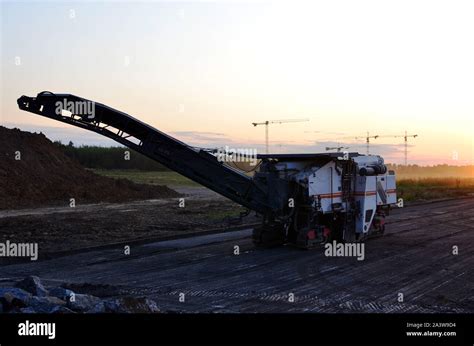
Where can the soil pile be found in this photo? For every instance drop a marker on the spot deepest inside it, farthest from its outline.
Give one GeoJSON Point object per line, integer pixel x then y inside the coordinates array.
{"type": "Point", "coordinates": [35, 172]}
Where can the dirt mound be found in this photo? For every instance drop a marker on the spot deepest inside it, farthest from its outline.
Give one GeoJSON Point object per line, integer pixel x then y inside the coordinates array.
{"type": "Point", "coordinates": [35, 172]}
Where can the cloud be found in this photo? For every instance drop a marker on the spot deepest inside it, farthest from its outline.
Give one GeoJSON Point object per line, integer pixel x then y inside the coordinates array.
{"type": "Point", "coordinates": [391, 152]}
{"type": "Point", "coordinates": [198, 136]}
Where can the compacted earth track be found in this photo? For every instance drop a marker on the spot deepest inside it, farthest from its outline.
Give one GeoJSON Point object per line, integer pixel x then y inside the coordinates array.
{"type": "Point", "coordinates": [423, 263]}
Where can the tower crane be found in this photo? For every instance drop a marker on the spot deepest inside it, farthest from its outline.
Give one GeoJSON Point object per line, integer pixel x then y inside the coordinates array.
{"type": "Point", "coordinates": [338, 140]}
{"type": "Point", "coordinates": [268, 122]}
{"type": "Point", "coordinates": [367, 140]}
{"type": "Point", "coordinates": [338, 148]}
{"type": "Point", "coordinates": [405, 138]}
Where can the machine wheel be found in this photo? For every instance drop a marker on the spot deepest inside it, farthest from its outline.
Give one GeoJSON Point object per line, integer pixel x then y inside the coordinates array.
{"type": "Point", "coordinates": [378, 224]}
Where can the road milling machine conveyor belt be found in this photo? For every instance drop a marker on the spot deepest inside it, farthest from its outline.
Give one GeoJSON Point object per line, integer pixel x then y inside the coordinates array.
{"type": "Point", "coordinates": [304, 199]}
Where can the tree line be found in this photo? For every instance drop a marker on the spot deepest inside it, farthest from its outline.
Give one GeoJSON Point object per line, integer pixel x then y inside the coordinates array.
{"type": "Point", "coordinates": [442, 170]}
{"type": "Point", "coordinates": [109, 157]}
{"type": "Point", "coordinates": [124, 158]}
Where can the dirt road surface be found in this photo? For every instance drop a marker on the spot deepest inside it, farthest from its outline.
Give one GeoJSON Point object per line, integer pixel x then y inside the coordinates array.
{"type": "Point", "coordinates": [58, 229]}
{"type": "Point", "coordinates": [412, 268]}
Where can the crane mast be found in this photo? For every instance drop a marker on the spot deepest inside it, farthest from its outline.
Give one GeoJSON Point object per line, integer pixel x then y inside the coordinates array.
{"type": "Point", "coordinates": [367, 141]}
{"type": "Point", "coordinates": [405, 139]}
{"type": "Point", "coordinates": [268, 122]}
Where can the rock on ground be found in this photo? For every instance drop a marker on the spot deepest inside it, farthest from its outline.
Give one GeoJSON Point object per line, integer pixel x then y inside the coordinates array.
{"type": "Point", "coordinates": [33, 285]}
{"type": "Point", "coordinates": [30, 296]}
{"type": "Point", "coordinates": [12, 298]}
{"type": "Point", "coordinates": [131, 305]}
{"type": "Point", "coordinates": [82, 302]}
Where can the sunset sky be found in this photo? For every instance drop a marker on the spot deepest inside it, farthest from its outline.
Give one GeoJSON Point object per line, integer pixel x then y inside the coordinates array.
{"type": "Point", "coordinates": [204, 71]}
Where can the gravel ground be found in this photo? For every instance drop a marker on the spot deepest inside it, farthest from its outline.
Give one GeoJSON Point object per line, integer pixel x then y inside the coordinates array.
{"type": "Point", "coordinates": [64, 228]}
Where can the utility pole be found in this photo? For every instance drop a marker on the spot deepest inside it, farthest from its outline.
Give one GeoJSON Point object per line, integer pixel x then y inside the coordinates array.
{"type": "Point", "coordinates": [268, 122]}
